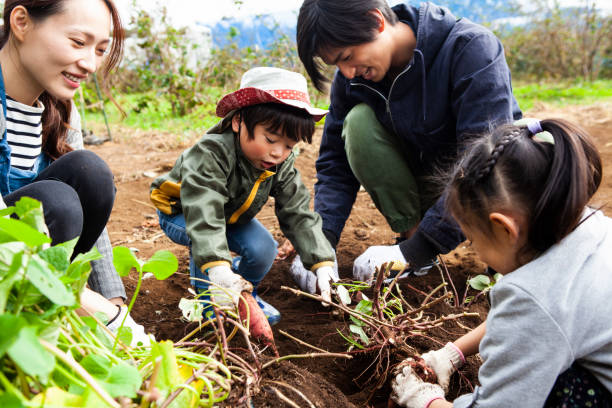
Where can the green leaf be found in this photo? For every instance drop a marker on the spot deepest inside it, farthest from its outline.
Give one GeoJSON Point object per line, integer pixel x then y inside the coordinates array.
{"type": "Point", "coordinates": [497, 277]}
{"type": "Point", "coordinates": [124, 380]}
{"type": "Point", "coordinates": [27, 352]}
{"type": "Point", "coordinates": [124, 334]}
{"type": "Point", "coordinates": [96, 365]}
{"type": "Point", "coordinates": [124, 260]}
{"type": "Point", "coordinates": [8, 400]}
{"type": "Point", "coordinates": [168, 376]}
{"type": "Point", "coordinates": [479, 282]}
{"type": "Point", "coordinates": [78, 271]}
{"type": "Point", "coordinates": [20, 231]}
{"type": "Point", "coordinates": [10, 325]}
{"type": "Point", "coordinates": [162, 264]}
{"type": "Point", "coordinates": [359, 331]}
{"type": "Point", "coordinates": [69, 246]}
{"type": "Point", "coordinates": [30, 211]}
{"type": "Point", "coordinates": [13, 275]}
{"type": "Point", "coordinates": [56, 256]}
{"type": "Point", "coordinates": [48, 284]}
{"type": "Point", "coordinates": [94, 327]}
{"type": "Point", "coordinates": [350, 341]}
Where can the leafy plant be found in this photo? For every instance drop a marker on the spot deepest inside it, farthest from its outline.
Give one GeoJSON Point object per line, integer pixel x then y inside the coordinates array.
{"type": "Point", "coordinates": [52, 357]}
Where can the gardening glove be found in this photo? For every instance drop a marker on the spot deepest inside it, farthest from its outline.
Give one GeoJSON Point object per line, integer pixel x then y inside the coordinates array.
{"type": "Point", "coordinates": [365, 265]}
{"type": "Point", "coordinates": [227, 286]}
{"type": "Point", "coordinates": [444, 362]}
{"type": "Point", "coordinates": [411, 392]}
{"type": "Point", "coordinates": [139, 337]}
{"type": "Point", "coordinates": [321, 278]}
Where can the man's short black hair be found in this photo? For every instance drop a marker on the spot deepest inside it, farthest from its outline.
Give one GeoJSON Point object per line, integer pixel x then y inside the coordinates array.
{"type": "Point", "coordinates": [277, 118]}
{"type": "Point", "coordinates": [327, 24]}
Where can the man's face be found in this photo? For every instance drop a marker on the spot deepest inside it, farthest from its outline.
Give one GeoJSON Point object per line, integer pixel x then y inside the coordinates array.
{"type": "Point", "coordinates": [370, 60]}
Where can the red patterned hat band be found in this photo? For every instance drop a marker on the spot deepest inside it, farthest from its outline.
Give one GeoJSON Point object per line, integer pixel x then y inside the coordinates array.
{"type": "Point", "coordinates": [291, 94]}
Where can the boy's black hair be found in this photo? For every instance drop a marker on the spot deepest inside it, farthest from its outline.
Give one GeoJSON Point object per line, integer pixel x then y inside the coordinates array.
{"type": "Point", "coordinates": [327, 24]}
{"type": "Point", "coordinates": [294, 123]}
{"type": "Point", "coordinates": [548, 183]}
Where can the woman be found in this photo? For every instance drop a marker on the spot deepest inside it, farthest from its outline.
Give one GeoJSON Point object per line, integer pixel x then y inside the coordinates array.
{"type": "Point", "coordinates": [48, 48]}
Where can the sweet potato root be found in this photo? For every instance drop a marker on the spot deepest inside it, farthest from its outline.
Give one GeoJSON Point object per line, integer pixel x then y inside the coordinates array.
{"type": "Point", "coordinates": [258, 325]}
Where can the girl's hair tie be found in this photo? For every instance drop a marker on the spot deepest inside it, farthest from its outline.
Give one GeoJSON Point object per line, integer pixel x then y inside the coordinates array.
{"type": "Point", "coordinates": [534, 127]}
{"type": "Point", "coordinates": [535, 130]}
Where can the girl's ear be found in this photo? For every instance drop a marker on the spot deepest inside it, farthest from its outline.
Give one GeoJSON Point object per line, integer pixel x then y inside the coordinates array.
{"type": "Point", "coordinates": [21, 22]}
{"type": "Point", "coordinates": [505, 226]}
{"type": "Point", "coordinates": [236, 123]}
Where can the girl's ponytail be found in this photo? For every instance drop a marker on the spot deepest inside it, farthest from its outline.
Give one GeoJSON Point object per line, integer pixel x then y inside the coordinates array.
{"type": "Point", "coordinates": [574, 177]}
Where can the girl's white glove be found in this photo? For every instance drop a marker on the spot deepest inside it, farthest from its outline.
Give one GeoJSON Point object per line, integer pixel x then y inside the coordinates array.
{"type": "Point", "coordinates": [227, 285]}
{"type": "Point", "coordinates": [411, 392]}
{"type": "Point", "coordinates": [365, 265]}
{"type": "Point", "coordinates": [139, 337]}
{"type": "Point", "coordinates": [444, 362]}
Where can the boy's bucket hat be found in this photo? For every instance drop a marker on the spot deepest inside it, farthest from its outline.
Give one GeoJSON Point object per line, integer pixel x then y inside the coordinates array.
{"type": "Point", "coordinates": [267, 84]}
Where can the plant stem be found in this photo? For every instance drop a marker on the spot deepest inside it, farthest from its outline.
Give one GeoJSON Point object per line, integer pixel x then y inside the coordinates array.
{"type": "Point", "coordinates": [309, 355]}
{"type": "Point", "coordinates": [81, 371]}
{"type": "Point", "coordinates": [303, 343]}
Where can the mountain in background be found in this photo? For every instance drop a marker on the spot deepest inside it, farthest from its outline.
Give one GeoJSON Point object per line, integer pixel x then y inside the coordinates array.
{"type": "Point", "coordinates": [261, 30]}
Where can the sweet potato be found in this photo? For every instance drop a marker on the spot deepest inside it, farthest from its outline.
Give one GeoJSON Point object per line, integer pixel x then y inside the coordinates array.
{"type": "Point", "coordinates": [258, 325]}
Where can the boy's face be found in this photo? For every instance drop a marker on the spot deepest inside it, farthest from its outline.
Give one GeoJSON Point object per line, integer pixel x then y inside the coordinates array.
{"type": "Point", "coordinates": [266, 149]}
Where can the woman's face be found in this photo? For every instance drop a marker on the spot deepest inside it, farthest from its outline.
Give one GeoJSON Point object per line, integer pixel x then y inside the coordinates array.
{"type": "Point", "coordinates": [59, 52]}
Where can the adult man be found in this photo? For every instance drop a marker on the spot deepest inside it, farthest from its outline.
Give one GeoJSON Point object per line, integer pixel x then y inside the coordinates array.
{"type": "Point", "coordinates": [412, 84]}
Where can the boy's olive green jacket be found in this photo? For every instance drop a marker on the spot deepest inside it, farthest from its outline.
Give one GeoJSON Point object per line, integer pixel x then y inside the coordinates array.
{"type": "Point", "coordinates": [214, 184]}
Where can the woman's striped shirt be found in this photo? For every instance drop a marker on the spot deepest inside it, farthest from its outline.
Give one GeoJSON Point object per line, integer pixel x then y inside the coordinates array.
{"type": "Point", "coordinates": [24, 132]}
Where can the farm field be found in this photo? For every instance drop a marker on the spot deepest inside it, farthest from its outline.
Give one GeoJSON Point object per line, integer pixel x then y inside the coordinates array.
{"type": "Point", "coordinates": [137, 156]}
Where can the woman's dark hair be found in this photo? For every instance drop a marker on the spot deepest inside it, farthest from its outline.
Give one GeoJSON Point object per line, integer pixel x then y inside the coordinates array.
{"type": "Point", "coordinates": [294, 123]}
{"type": "Point", "coordinates": [323, 25]}
{"type": "Point", "coordinates": [548, 183]}
{"type": "Point", "coordinates": [56, 116]}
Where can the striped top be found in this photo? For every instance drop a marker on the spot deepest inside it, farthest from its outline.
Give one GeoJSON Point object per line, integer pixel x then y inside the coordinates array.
{"type": "Point", "coordinates": [24, 132]}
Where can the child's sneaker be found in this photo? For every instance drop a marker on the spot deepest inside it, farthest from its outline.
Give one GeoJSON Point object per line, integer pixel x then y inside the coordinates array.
{"type": "Point", "coordinates": [270, 311]}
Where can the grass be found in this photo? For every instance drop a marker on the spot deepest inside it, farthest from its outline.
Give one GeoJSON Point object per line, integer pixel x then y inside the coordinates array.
{"type": "Point", "coordinates": [558, 94]}
{"type": "Point", "coordinates": [156, 114]}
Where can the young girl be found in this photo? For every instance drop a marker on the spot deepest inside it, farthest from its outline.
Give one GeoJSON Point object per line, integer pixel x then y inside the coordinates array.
{"type": "Point", "coordinates": [520, 196]}
{"type": "Point", "coordinates": [48, 48]}
{"type": "Point", "coordinates": [209, 200]}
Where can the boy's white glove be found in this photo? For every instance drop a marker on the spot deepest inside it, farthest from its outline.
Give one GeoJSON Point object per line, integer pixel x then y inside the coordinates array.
{"type": "Point", "coordinates": [411, 392]}
{"type": "Point", "coordinates": [139, 337]}
{"type": "Point", "coordinates": [321, 279]}
{"type": "Point", "coordinates": [366, 263]}
{"type": "Point", "coordinates": [444, 362]}
{"type": "Point", "coordinates": [227, 285]}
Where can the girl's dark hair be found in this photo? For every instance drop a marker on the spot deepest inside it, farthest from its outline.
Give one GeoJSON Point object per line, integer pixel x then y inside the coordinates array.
{"type": "Point", "coordinates": [323, 25]}
{"type": "Point", "coordinates": [294, 123]}
{"type": "Point", "coordinates": [56, 116]}
{"type": "Point", "coordinates": [548, 183]}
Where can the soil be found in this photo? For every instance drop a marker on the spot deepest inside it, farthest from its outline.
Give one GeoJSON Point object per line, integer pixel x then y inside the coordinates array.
{"type": "Point", "coordinates": [137, 156]}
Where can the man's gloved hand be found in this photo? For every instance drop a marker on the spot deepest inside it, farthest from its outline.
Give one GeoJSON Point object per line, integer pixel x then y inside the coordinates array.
{"type": "Point", "coordinates": [366, 263]}
{"type": "Point", "coordinates": [319, 281]}
{"type": "Point", "coordinates": [411, 392]}
{"type": "Point", "coordinates": [227, 285]}
{"type": "Point", "coordinates": [444, 362]}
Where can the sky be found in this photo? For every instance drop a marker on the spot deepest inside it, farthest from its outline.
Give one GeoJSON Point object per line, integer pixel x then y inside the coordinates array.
{"type": "Point", "coordinates": [187, 12]}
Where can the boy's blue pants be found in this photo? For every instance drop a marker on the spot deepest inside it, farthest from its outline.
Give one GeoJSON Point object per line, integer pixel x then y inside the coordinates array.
{"type": "Point", "coordinates": [253, 242]}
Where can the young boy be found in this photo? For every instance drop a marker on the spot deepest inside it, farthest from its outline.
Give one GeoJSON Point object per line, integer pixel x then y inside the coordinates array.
{"type": "Point", "coordinates": [208, 201]}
